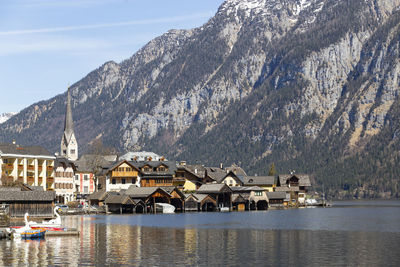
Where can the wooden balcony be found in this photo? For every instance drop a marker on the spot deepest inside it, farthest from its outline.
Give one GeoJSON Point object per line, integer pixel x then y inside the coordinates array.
{"type": "Point", "coordinates": [20, 167]}
{"type": "Point", "coordinates": [50, 180]}
{"type": "Point", "coordinates": [125, 174]}
{"type": "Point", "coordinates": [40, 168]}
{"type": "Point", "coordinates": [31, 168]}
{"type": "Point", "coordinates": [49, 168]}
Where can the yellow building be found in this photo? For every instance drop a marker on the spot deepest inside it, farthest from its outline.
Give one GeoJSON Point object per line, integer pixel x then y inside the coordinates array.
{"type": "Point", "coordinates": [31, 165]}
{"type": "Point", "coordinates": [266, 182]}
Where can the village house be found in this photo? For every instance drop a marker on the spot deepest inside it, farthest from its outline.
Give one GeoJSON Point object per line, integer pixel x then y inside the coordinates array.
{"type": "Point", "coordinates": [64, 182]}
{"type": "Point", "coordinates": [149, 195]}
{"type": "Point", "coordinates": [155, 173]}
{"type": "Point", "coordinates": [122, 175]}
{"type": "Point", "coordinates": [188, 178]}
{"type": "Point", "coordinates": [295, 186]}
{"type": "Point", "coordinates": [31, 165]}
{"type": "Point", "coordinates": [276, 199]}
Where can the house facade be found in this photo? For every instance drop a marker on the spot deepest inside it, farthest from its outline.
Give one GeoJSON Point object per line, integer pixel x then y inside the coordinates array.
{"type": "Point", "coordinates": [31, 165]}
{"type": "Point", "coordinates": [121, 176]}
{"type": "Point", "coordinates": [64, 180]}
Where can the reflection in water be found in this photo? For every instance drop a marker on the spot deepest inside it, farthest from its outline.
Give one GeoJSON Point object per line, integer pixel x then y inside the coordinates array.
{"type": "Point", "coordinates": [105, 242]}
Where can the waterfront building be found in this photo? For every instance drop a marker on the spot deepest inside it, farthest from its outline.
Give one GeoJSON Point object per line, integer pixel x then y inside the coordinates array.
{"type": "Point", "coordinates": [64, 182]}
{"type": "Point", "coordinates": [200, 202]}
{"type": "Point", "coordinates": [295, 186]}
{"type": "Point", "coordinates": [276, 199]}
{"type": "Point", "coordinates": [220, 192]}
{"type": "Point", "coordinates": [69, 145]}
{"type": "Point", "coordinates": [31, 165]}
{"type": "Point", "coordinates": [255, 196]}
{"type": "Point", "coordinates": [34, 200]}
{"type": "Point", "coordinates": [149, 195]}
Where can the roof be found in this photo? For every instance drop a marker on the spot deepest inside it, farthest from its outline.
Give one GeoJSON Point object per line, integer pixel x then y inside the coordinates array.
{"type": "Point", "coordinates": [236, 170]}
{"type": "Point", "coordinates": [170, 189]}
{"type": "Point", "coordinates": [199, 197]}
{"type": "Point", "coordinates": [171, 167]}
{"type": "Point", "coordinates": [246, 188]}
{"type": "Point", "coordinates": [99, 195]}
{"type": "Point", "coordinates": [142, 192]}
{"type": "Point", "coordinates": [238, 198]}
{"type": "Point", "coordinates": [119, 199]}
{"type": "Point", "coordinates": [24, 150]}
{"type": "Point", "coordinates": [118, 163]}
{"type": "Point", "coordinates": [68, 123]}
{"type": "Point", "coordinates": [62, 161]}
{"type": "Point", "coordinates": [276, 195]}
{"type": "Point", "coordinates": [304, 179]}
{"type": "Point", "coordinates": [40, 196]}
{"type": "Point", "coordinates": [197, 170]}
{"type": "Point", "coordinates": [213, 188]}
{"type": "Point", "coordinates": [216, 174]}
{"type": "Point", "coordinates": [258, 180]}
{"type": "Point", "coordinates": [287, 188]}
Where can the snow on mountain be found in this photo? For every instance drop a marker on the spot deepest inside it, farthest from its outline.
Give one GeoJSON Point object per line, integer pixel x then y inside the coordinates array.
{"type": "Point", "coordinates": [5, 116]}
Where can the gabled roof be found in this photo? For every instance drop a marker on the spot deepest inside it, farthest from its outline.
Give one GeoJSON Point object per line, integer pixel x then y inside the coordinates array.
{"type": "Point", "coordinates": [64, 162]}
{"type": "Point", "coordinates": [213, 188]}
{"type": "Point", "coordinates": [142, 192]}
{"type": "Point", "coordinates": [100, 195]}
{"type": "Point", "coordinates": [117, 164]}
{"type": "Point", "coordinates": [246, 188]}
{"type": "Point", "coordinates": [304, 179]}
{"type": "Point", "coordinates": [24, 150]}
{"type": "Point", "coordinates": [119, 199]}
{"type": "Point", "coordinates": [171, 167]}
{"type": "Point", "coordinates": [258, 180]}
{"type": "Point", "coordinates": [39, 196]}
{"type": "Point", "coordinates": [196, 170]}
{"type": "Point", "coordinates": [238, 198]}
{"type": "Point", "coordinates": [216, 174]}
{"type": "Point", "coordinates": [170, 189]}
{"type": "Point", "coordinates": [200, 197]}
{"type": "Point", "coordinates": [236, 170]}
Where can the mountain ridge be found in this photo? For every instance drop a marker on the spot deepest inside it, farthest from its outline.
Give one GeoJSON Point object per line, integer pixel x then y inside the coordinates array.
{"type": "Point", "coordinates": [309, 85]}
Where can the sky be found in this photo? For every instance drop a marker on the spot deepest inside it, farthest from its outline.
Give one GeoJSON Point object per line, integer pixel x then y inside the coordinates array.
{"type": "Point", "coordinates": [46, 45]}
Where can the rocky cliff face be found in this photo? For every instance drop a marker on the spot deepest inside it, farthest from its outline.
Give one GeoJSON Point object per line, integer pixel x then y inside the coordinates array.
{"type": "Point", "coordinates": [311, 85]}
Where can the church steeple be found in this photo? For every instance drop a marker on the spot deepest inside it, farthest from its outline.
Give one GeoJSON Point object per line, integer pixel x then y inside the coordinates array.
{"type": "Point", "coordinates": [69, 146]}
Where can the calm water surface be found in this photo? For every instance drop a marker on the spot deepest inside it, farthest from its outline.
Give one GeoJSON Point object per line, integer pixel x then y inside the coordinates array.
{"type": "Point", "coordinates": [364, 233]}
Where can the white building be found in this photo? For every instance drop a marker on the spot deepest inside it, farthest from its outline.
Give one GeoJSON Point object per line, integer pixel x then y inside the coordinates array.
{"type": "Point", "coordinates": [69, 145]}
{"type": "Point", "coordinates": [31, 165]}
{"type": "Point", "coordinates": [64, 184]}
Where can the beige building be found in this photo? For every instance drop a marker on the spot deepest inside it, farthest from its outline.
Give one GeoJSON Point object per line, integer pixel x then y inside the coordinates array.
{"type": "Point", "coordinates": [64, 183]}
{"type": "Point", "coordinates": [31, 165]}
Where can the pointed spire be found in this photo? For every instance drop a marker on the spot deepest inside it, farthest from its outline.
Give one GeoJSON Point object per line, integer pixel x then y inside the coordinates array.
{"type": "Point", "coordinates": [69, 123]}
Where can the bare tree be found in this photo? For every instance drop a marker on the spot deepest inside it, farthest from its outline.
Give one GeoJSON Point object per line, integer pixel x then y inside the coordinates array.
{"type": "Point", "coordinates": [96, 160]}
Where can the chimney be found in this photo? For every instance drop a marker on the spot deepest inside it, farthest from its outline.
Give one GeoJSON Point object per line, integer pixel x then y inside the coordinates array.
{"type": "Point", "coordinates": [14, 142]}
{"type": "Point", "coordinates": [221, 165]}
{"type": "Point", "coordinates": [195, 171]}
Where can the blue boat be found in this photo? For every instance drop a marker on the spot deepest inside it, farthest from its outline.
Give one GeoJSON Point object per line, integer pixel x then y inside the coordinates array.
{"type": "Point", "coordinates": [34, 233]}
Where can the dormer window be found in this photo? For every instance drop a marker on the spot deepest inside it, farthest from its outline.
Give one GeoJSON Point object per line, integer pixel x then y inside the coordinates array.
{"type": "Point", "coordinates": [251, 180]}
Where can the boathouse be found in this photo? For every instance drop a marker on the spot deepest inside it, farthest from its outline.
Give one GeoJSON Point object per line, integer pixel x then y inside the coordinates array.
{"type": "Point", "coordinates": [220, 192]}
{"type": "Point", "coordinates": [200, 202]}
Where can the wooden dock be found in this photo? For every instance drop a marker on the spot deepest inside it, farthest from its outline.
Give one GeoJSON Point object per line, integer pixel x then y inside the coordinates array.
{"type": "Point", "coordinates": [69, 232]}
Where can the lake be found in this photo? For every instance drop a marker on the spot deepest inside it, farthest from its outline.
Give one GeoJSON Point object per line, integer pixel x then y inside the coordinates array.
{"type": "Point", "coordinates": [354, 233]}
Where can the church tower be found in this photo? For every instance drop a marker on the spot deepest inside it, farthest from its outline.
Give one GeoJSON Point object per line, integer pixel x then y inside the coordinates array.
{"type": "Point", "coordinates": [69, 146]}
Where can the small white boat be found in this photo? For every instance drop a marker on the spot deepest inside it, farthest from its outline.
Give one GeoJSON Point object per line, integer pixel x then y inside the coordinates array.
{"type": "Point", "coordinates": [166, 208]}
{"type": "Point", "coordinates": [54, 223]}
{"type": "Point", "coordinates": [224, 209]}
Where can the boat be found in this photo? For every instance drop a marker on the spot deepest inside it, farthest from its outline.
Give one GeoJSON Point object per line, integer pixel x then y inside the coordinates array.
{"type": "Point", "coordinates": [26, 231]}
{"type": "Point", "coordinates": [53, 224]}
{"type": "Point", "coordinates": [34, 233]}
{"type": "Point", "coordinates": [165, 207]}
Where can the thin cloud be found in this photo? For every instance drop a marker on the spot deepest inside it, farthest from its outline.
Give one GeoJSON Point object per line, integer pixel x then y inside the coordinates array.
{"type": "Point", "coordinates": [106, 25]}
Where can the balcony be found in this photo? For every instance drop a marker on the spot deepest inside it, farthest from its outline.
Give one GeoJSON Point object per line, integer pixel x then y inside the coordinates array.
{"type": "Point", "coordinates": [20, 167]}
{"type": "Point", "coordinates": [49, 168]}
{"type": "Point", "coordinates": [40, 168]}
{"type": "Point", "coordinates": [50, 180]}
{"type": "Point", "coordinates": [124, 174]}
{"type": "Point", "coordinates": [31, 168]}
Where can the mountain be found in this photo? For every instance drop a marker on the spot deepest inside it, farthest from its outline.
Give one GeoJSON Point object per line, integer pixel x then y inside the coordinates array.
{"type": "Point", "coordinates": [311, 85]}
{"type": "Point", "coordinates": [5, 116]}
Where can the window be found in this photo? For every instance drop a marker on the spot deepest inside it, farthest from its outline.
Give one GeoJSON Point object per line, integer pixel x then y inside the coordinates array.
{"type": "Point", "coordinates": [258, 193]}
{"type": "Point", "coordinates": [161, 169]}
{"type": "Point", "coordinates": [114, 181]}
{"type": "Point", "coordinates": [128, 169]}
{"type": "Point", "coordinates": [159, 181]}
{"type": "Point", "coordinates": [85, 189]}
{"type": "Point", "coordinates": [86, 177]}
{"type": "Point", "coordinates": [133, 180]}
{"type": "Point", "coordinates": [72, 151]}
{"type": "Point", "coordinates": [123, 181]}
{"type": "Point", "coordinates": [77, 177]}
